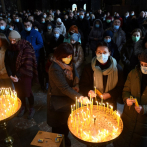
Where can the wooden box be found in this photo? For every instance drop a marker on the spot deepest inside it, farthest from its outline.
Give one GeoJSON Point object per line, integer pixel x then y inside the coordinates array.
{"type": "Point", "coordinates": [48, 140]}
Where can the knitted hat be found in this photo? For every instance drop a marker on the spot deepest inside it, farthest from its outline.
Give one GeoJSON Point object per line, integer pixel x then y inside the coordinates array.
{"type": "Point", "coordinates": [75, 37]}
{"type": "Point", "coordinates": [57, 30]}
{"type": "Point", "coordinates": [59, 20]}
{"type": "Point", "coordinates": [108, 33]}
{"type": "Point", "coordinates": [143, 56]}
{"type": "Point", "coordinates": [14, 35]}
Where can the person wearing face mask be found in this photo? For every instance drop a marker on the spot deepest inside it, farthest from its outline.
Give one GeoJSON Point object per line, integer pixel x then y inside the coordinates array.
{"type": "Point", "coordinates": [141, 18]}
{"type": "Point", "coordinates": [61, 26]}
{"type": "Point", "coordinates": [71, 20]}
{"type": "Point", "coordinates": [84, 29]}
{"type": "Point", "coordinates": [108, 22]}
{"type": "Point", "coordinates": [108, 35]}
{"type": "Point", "coordinates": [43, 24]}
{"type": "Point", "coordinates": [144, 28]}
{"type": "Point", "coordinates": [91, 20]}
{"type": "Point", "coordinates": [96, 35]}
{"type": "Point", "coordinates": [78, 56]}
{"type": "Point", "coordinates": [47, 37]}
{"type": "Point", "coordinates": [63, 90]}
{"type": "Point", "coordinates": [128, 55]}
{"type": "Point", "coordinates": [66, 21]}
{"type": "Point", "coordinates": [21, 66]}
{"type": "Point", "coordinates": [73, 29]}
{"type": "Point", "coordinates": [56, 40]}
{"type": "Point", "coordinates": [4, 28]}
{"type": "Point", "coordinates": [119, 37]}
{"type": "Point", "coordinates": [105, 74]}
{"type": "Point", "coordinates": [12, 26]}
{"type": "Point", "coordinates": [87, 16]}
{"type": "Point", "coordinates": [44, 15]}
{"type": "Point", "coordinates": [18, 24]}
{"type": "Point", "coordinates": [134, 117]}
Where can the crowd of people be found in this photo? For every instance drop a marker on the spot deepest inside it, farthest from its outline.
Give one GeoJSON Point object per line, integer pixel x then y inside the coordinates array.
{"type": "Point", "coordinates": [50, 48]}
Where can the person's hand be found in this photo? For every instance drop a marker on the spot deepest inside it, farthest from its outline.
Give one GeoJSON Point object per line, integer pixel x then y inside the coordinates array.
{"type": "Point", "coordinates": [130, 102]}
{"type": "Point", "coordinates": [14, 79]}
{"type": "Point", "coordinates": [96, 39]}
{"type": "Point", "coordinates": [84, 100]}
{"type": "Point", "coordinates": [76, 88]}
{"type": "Point", "coordinates": [92, 93]}
{"type": "Point", "coordinates": [105, 96]}
{"type": "Point", "coordinates": [138, 108]}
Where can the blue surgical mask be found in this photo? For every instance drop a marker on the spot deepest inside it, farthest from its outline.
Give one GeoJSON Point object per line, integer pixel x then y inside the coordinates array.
{"type": "Point", "coordinates": [116, 27]}
{"type": "Point", "coordinates": [77, 13]}
{"type": "Point", "coordinates": [43, 21]}
{"type": "Point", "coordinates": [10, 29]}
{"type": "Point", "coordinates": [49, 27]}
{"type": "Point", "coordinates": [36, 29]}
{"type": "Point", "coordinates": [16, 20]}
{"type": "Point", "coordinates": [102, 58]}
{"type": "Point", "coordinates": [56, 35]}
{"type": "Point", "coordinates": [81, 16]}
{"type": "Point", "coordinates": [97, 25]}
{"type": "Point", "coordinates": [144, 69]}
{"type": "Point", "coordinates": [107, 40]}
{"type": "Point", "coordinates": [28, 29]}
{"type": "Point", "coordinates": [2, 27]}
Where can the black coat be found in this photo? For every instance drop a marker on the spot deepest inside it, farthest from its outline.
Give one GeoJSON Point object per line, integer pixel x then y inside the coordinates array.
{"type": "Point", "coordinates": [54, 43]}
{"type": "Point", "coordinates": [128, 57]}
{"type": "Point", "coordinates": [71, 22]}
{"type": "Point", "coordinates": [86, 82]}
{"type": "Point", "coordinates": [19, 25]}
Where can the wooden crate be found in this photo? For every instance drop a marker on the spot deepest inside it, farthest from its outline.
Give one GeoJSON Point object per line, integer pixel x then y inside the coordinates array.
{"type": "Point", "coordinates": [48, 140]}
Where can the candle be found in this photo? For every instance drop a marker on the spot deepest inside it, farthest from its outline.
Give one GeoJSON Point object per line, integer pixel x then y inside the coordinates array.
{"type": "Point", "coordinates": [92, 102]}
{"type": "Point", "coordinates": [76, 104]}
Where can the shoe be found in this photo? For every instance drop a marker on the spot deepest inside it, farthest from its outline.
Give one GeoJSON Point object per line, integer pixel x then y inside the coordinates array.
{"type": "Point", "coordinates": [22, 111]}
{"type": "Point", "coordinates": [67, 142]}
{"type": "Point", "coordinates": [31, 113]}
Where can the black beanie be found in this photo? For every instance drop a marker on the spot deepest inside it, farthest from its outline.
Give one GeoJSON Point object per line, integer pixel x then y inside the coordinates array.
{"type": "Point", "coordinates": [108, 33]}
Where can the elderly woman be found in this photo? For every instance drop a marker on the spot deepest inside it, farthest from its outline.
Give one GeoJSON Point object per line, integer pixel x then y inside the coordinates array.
{"type": "Point", "coordinates": [134, 116]}
{"type": "Point", "coordinates": [78, 56]}
{"type": "Point", "coordinates": [5, 80]}
{"type": "Point", "coordinates": [96, 35]}
{"type": "Point", "coordinates": [21, 66]}
{"type": "Point", "coordinates": [63, 90]}
{"type": "Point", "coordinates": [61, 26]}
{"type": "Point", "coordinates": [105, 74]}
{"type": "Point", "coordinates": [128, 56]}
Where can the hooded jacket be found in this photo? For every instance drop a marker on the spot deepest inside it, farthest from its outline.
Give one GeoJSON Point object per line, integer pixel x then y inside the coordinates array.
{"type": "Point", "coordinates": [62, 28]}
{"type": "Point", "coordinates": [96, 33]}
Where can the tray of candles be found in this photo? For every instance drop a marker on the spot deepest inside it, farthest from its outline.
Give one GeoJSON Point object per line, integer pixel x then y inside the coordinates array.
{"type": "Point", "coordinates": [95, 125]}
{"type": "Point", "coordinates": [10, 104]}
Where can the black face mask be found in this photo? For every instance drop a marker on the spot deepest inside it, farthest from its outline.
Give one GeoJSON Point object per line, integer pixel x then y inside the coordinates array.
{"type": "Point", "coordinates": [71, 33]}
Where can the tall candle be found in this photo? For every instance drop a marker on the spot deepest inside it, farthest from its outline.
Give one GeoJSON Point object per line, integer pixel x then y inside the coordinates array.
{"type": "Point", "coordinates": [76, 104]}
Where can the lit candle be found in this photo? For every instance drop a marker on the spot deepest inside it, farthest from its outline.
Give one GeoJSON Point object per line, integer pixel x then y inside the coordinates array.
{"type": "Point", "coordinates": [76, 104]}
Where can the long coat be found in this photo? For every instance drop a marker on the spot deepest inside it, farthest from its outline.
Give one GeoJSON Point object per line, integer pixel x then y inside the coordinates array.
{"type": "Point", "coordinates": [60, 96]}
{"type": "Point", "coordinates": [135, 125]}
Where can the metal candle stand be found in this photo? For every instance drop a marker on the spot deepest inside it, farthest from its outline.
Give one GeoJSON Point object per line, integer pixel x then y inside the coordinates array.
{"type": "Point", "coordinates": [3, 125]}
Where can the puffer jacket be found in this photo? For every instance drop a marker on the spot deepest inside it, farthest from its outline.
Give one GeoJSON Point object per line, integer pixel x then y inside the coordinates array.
{"type": "Point", "coordinates": [96, 33]}
{"type": "Point", "coordinates": [3, 72]}
{"type": "Point", "coordinates": [134, 132]}
{"type": "Point", "coordinates": [78, 57]}
{"type": "Point", "coordinates": [62, 28]}
{"type": "Point", "coordinates": [120, 39]}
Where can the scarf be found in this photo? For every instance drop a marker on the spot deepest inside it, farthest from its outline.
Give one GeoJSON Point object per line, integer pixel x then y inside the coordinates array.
{"type": "Point", "coordinates": [112, 73]}
{"type": "Point", "coordinates": [68, 69]}
{"type": "Point", "coordinates": [26, 62]}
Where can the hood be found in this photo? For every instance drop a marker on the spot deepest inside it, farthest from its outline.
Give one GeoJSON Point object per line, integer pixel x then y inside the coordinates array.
{"type": "Point", "coordinates": [139, 48]}
{"type": "Point", "coordinates": [101, 25]}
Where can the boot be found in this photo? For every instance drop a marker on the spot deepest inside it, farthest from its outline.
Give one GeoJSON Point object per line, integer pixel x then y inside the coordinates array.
{"type": "Point", "coordinates": [31, 113]}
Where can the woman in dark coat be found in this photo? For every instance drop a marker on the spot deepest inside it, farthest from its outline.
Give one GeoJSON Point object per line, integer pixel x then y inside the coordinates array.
{"type": "Point", "coordinates": [134, 118]}
{"type": "Point", "coordinates": [21, 66]}
{"type": "Point", "coordinates": [128, 56]}
{"type": "Point", "coordinates": [96, 35]}
{"type": "Point", "coordinates": [63, 90]}
{"type": "Point", "coordinates": [56, 40]}
{"type": "Point", "coordinates": [102, 72]}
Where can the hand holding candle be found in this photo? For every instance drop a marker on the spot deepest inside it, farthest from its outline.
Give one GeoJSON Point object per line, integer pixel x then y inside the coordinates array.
{"type": "Point", "coordinates": [92, 93]}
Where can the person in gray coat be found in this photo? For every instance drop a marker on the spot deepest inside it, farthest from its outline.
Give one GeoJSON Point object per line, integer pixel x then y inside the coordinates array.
{"type": "Point", "coordinates": [63, 90]}
{"type": "Point", "coordinates": [96, 35]}
{"type": "Point", "coordinates": [119, 37]}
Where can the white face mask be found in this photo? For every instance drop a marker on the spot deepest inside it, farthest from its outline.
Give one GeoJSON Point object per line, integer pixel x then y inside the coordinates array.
{"type": "Point", "coordinates": [102, 58]}
{"type": "Point", "coordinates": [144, 69]}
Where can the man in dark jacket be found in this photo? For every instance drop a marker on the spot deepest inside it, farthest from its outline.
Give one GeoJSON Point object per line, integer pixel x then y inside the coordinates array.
{"type": "Point", "coordinates": [4, 28]}
{"type": "Point", "coordinates": [33, 36]}
{"type": "Point", "coordinates": [84, 28]}
{"type": "Point", "coordinates": [18, 24]}
{"type": "Point", "coordinates": [119, 37]}
{"type": "Point", "coordinates": [71, 20]}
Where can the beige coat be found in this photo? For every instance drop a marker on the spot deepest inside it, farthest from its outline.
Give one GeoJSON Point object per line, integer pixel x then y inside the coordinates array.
{"type": "Point", "coordinates": [78, 57]}
{"type": "Point", "coordinates": [3, 72]}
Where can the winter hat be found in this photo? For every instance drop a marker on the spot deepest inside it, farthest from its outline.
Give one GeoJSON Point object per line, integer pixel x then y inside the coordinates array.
{"type": "Point", "coordinates": [14, 35]}
{"type": "Point", "coordinates": [108, 33]}
{"type": "Point", "coordinates": [57, 30]}
{"type": "Point", "coordinates": [75, 37]}
{"type": "Point", "coordinates": [59, 20]}
{"type": "Point", "coordinates": [143, 56]}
